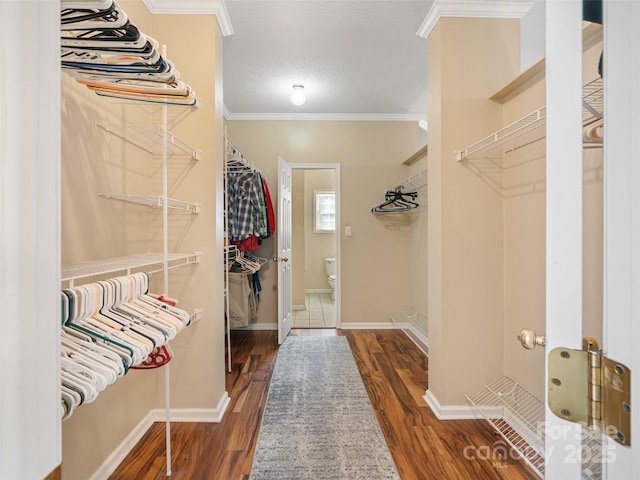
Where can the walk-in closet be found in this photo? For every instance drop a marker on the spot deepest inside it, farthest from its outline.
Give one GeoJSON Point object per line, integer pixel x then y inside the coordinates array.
{"type": "Point", "coordinates": [505, 246]}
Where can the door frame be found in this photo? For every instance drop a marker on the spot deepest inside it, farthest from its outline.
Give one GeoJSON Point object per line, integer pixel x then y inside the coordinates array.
{"type": "Point", "coordinates": [336, 171]}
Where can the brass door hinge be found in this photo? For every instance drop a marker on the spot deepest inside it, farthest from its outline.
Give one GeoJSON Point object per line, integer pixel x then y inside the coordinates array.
{"type": "Point", "coordinates": [586, 387]}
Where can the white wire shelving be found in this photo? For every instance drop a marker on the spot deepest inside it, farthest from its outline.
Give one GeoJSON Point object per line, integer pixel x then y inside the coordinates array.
{"type": "Point", "coordinates": [523, 131]}
{"type": "Point", "coordinates": [517, 415]}
{"type": "Point", "coordinates": [414, 182]}
{"type": "Point", "coordinates": [106, 266]}
{"type": "Point", "coordinates": [592, 101]}
{"type": "Point", "coordinates": [154, 201]}
{"type": "Point", "coordinates": [150, 139]}
{"type": "Point", "coordinates": [529, 129]}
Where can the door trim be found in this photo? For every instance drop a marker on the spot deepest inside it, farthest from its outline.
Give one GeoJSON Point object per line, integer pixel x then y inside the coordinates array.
{"type": "Point", "coordinates": [336, 169]}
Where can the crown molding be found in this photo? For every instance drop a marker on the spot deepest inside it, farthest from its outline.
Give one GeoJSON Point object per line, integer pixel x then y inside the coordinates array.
{"type": "Point", "coordinates": [329, 117]}
{"type": "Point", "coordinates": [423, 125]}
{"type": "Point", "coordinates": [225, 112]}
{"type": "Point", "coordinates": [471, 9]}
{"type": "Point", "coordinates": [193, 7]}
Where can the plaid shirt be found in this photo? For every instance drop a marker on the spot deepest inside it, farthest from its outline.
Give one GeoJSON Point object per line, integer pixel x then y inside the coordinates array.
{"type": "Point", "coordinates": [242, 200]}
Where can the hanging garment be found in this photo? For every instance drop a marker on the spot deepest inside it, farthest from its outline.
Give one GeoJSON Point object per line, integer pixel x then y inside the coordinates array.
{"type": "Point", "coordinates": [261, 228]}
{"type": "Point", "coordinates": [271, 215]}
{"type": "Point", "coordinates": [248, 244]}
{"type": "Point", "coordinates": [257, 288]}
{"type": "Point", "coordinates": [239, 297]}
{"type": "Point", "coordinates": [242, 200]}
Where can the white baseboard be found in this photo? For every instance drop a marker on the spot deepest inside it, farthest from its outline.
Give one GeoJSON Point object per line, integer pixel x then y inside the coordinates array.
{"type": "Point", "coordinates": [406, 320]}
{"type": "Point", "coordinates": [119, 454]}
{"type": "Point", "coordinates": [318, 290]}
{"type": "Point", "coordinates": [451, 412]}
{"type": "Point", "coordinates": [368, 326]}
{"type": "Point", "coordinates": [417, 336]}
{"type": "Point", "coordinates": [198, 415]}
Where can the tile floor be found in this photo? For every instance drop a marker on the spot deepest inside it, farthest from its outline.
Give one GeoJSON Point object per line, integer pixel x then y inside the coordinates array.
{"type": "Point", "coordinates": [320, 312]}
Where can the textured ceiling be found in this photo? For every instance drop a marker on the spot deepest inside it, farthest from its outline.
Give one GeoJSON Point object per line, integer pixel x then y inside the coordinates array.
{"type": "Point", "coordinates": [354, 57]}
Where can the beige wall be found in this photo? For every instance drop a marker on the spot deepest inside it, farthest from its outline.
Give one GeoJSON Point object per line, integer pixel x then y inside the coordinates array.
{"type": "Point", "coordinates": [524, 247]}
{"type": "Point", "coordinates": [318, 245]}
{"type": "Point", "coordinates": [468, 60]}
{"type": "Point", "coordinates": [371, 156]}
{"type": "Point", "coordinates": [93, 162]}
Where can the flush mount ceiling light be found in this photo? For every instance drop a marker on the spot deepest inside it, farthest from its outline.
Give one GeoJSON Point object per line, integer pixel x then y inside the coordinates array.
{"type": "Point", "coordinates": [297, 95]}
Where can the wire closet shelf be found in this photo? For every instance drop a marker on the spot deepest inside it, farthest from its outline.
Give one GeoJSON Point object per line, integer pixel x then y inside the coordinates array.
{"type": "Point", "coordinates": [414, 182]}
{"type": "Point", "coordinates": [154, 201]}
{"type": "Point", "coordinates": [107, 266]}
{"type": "Point", "coordinates": [151, 139]}
{"type": "Point", "coordinates": [531, 128]}
{"type": "Point", "coordinates": [517, 415]}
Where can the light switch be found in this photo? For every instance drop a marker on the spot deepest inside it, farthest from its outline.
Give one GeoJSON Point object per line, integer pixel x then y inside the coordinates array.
{"type": "Point", "coordinates": [347, 231]}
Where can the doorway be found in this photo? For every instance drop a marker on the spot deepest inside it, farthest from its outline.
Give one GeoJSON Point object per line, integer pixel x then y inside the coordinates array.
{"type": "Point", "coordinates": [315, 263]}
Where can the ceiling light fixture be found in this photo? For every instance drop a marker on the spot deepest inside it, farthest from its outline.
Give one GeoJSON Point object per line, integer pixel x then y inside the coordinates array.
{"type": "Point", "coordinates": [297, 95]}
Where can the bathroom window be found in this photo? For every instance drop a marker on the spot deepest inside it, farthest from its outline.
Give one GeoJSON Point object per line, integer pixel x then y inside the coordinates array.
{"type": "Point", "coordinates": [325, 211]}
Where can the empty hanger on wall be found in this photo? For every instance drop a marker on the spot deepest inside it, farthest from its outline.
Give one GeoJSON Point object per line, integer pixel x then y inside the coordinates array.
{"type": "Point", "coordinates": [397, 201]}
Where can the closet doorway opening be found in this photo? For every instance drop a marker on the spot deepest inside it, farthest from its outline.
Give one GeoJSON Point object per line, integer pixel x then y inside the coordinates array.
{"type": "Point", "coordinates": [315, 263]}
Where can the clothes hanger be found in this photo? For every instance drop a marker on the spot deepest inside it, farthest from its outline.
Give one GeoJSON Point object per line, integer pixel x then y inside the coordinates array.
{"type": "Point", "coordinates": [125, 331]}
{"type": "Point", "coordinates": [88, 4]}
{"type": "Point", "coordinates": [392, 203]}
{"type": "Point", "coordinates": [396, 201]}
{"type": "Point", "coordinates": [142, 284]}
{"type": "Point", "coordinates": [84, 344]}
{"type": "Point", "coordinates": [167, 327]}
{"type": "Point", "coordinates": [76, 313]}
{"type": "Point", "coordinates": [152, 308]}
{"type": "Point", "coordinates": [109, 329]}
{"type": "Point", "coordinates": [132, 323]}
{"type": "Point", "coordinates": [125, 36]}
{"type": "Point", "coordinates": [76, 370]}
{"type": "Point", "coordinates": [91, 19]}
{"type": "Point", "coordinates": [253, 258]}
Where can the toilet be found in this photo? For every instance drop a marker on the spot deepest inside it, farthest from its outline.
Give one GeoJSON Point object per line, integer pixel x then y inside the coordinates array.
{"type": "Point", "coordinates": [330, 269]}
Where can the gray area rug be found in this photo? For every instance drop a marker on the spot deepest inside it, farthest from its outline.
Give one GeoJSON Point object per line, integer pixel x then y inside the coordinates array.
{"type": "Point", "coordinates": [318, 422]}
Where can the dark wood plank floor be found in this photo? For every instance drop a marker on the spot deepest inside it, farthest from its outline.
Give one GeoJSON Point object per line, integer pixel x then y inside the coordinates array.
{"type": "Point", "coordinates": [394, 372]}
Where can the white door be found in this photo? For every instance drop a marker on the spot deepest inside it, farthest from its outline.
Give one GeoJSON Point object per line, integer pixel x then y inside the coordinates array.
{"type": "Point", "coordinates": [285, 315]}
{"type": "Point", "coordinates": [622, 215]}
{"type": "Point", "coordinates": [564, 449]}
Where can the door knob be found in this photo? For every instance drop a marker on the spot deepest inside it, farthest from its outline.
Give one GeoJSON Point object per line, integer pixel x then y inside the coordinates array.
{"type": "Point", "coordinates": [281, 259]}
{"type": "Point", "coordinates": [529, 339]}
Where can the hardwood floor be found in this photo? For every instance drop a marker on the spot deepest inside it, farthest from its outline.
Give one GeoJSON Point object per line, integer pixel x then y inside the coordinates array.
{"type": "Point", "coordinates": [394, 372]}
